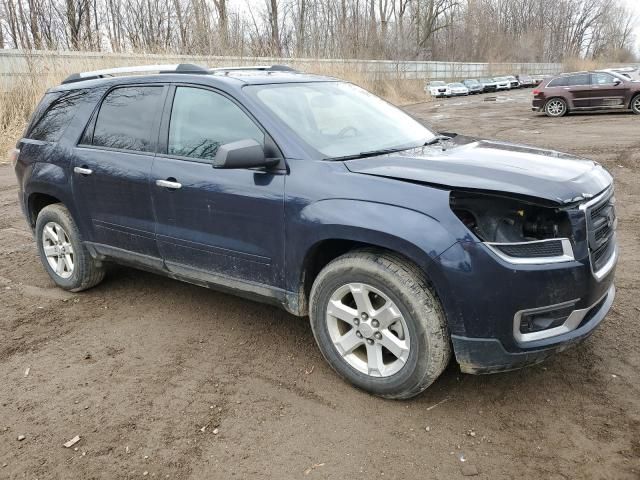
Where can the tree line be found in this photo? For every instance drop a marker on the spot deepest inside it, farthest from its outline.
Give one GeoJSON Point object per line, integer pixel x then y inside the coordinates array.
{"type": "Point", "coordinates": [453, 30]}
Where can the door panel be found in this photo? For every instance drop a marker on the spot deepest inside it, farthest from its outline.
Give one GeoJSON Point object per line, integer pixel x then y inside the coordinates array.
{"type": "Point", "coordinates": [606, 94]}
{"type": "Point", "coordinates": [226, 222]}
{"type": "Point", "coordinates": [579, 87]}
{"type": "Point", "coordinates": [115, 198]}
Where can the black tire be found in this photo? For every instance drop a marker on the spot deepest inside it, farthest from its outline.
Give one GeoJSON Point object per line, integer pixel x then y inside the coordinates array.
{"type": "Point", "coordinates": [87, 272]}
{"type": "Point", "coordinates": [556, 107]}
{"type": "Point", "coordinates": [403, 283]}
{"type": "Point", "coordinates": [635, 104]}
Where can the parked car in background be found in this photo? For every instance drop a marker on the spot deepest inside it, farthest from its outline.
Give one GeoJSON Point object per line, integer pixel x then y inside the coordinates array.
{"type": "Point", "coordinates": [457, 89]}
{"type": "Point", "coordinates": [488, 84]}
{"type": "Point", "coordinates": [632, 73]}
{"type": "Point", "coordinates": [473, 85]}
{"type": "Point", "coordinates": [437, 89]}
{"type": "Point", "coordinates": [539, 78]}
{"type": "Point", "coordinates": [503, 83]}
{"type": "Point", "coordinates": [594, 90]}
{"type": "Point", "coordinates": [526, 80]}
{"type": "Point", "coordinates": [514, 81]}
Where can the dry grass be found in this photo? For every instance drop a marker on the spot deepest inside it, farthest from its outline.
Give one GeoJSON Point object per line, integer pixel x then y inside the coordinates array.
{"type": "Point", "coordinates": [19, 95]}
{"type": "Point", "coordinates": [581, 64]}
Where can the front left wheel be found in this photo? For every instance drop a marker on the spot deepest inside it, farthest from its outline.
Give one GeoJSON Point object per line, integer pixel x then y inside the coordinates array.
{"type": "Point", "coordinates": [635, 104]}
{"type": "Point", "coordinates": [65, 258]}
{"type": "Point", "coordinates": [379, 324]}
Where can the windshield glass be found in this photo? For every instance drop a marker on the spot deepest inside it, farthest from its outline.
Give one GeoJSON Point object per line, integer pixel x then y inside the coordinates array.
{"type": "Point", "coordinates": [340, 119]}
{"type": "Point", "coordinates": [456, 85]}
{"type": "Point", "coordinates": [437, 84]}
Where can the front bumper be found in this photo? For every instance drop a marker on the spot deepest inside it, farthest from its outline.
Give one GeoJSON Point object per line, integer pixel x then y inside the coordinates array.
{"type": "Point", "coordinates": [488, 355]}
{"type": "Point", "coordinates": [494, 325]}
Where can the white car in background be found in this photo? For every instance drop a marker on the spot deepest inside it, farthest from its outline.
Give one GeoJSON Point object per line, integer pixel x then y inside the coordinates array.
{"type": "Point", "coordinates": [503, 83]}
{"type": "Point", "coordinates": [632, 73]}
{"type": "Point", "coordinates": [437, 89]}
{"type": "Point", "coordinates": [457, 89]}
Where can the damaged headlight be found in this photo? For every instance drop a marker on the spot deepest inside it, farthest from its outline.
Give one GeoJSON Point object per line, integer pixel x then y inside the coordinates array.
{"type": "Point", "coordinates": [517, 231]}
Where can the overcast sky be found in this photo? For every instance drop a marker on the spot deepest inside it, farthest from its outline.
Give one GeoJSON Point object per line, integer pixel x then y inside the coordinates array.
{"type": "Point", "coordinates": [633, 5]}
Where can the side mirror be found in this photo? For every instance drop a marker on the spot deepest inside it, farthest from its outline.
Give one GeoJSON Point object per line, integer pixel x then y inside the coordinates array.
{"type": "Point", "coordinates": [617, 82]}
{"type": "Point", "coordinates": [242, 154]}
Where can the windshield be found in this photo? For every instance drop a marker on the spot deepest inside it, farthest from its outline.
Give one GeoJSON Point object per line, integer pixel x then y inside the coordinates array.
{"type": "Point", "coordinates": [437, 84]}
{"type": "Point", "coordinates": [456, 85]}
{"type": "Point", "coordinates": [340, 119]}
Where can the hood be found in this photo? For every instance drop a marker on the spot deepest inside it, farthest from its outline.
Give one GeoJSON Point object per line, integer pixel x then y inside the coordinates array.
{"type": "Point", "coordinates": [500, 167]}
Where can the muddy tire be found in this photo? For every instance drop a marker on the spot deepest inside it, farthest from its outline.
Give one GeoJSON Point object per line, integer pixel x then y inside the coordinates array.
{"type": "Point", "coordinates": [64, 256]}
{"type": "Point", "coordinates": [379, 324]}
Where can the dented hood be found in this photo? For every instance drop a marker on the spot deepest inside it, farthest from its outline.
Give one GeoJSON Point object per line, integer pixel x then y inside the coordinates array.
{"type": "Point", "coordinates": [468, 163]}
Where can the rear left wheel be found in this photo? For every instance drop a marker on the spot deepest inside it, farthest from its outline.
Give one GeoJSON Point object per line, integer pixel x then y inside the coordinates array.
{"type": "Point", "coordinates": [379, 324]}
{"type": "Point", "coordinates": [555, 107]}
{"type": "Point", "coordinates": [63, 255]}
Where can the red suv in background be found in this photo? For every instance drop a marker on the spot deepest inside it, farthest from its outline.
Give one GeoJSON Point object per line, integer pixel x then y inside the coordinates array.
{"type": "Point", "coordinates": [586, 91]}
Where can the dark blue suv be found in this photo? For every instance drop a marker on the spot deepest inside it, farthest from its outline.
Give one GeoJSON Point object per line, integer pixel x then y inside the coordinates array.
{"type": "Point", "coordinates": [402, 245]}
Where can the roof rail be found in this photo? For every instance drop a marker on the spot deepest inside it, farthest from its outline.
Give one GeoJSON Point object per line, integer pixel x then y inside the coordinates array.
{"type": "Point", "coordinates": [108, 72]}
{"type": "Point", "coordinates": [263, 68]}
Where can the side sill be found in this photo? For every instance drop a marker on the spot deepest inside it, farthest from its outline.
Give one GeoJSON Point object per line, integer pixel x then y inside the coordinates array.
{"type": "Point", "coordinates": [292, 302]}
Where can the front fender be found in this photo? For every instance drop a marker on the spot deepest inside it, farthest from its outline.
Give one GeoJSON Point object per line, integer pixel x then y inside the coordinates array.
{"type": "Point", "coordinates": [413, 234]}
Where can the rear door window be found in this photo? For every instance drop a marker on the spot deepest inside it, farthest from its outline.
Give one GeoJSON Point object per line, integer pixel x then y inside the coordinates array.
{"type": "Point", "coordinates": [126, 118]}
{"type": "Point", "coordinates": [59, 109]}
{"type": "Point", "coordinates": [202, 120]}
{"type": "Point", "coordinates": [579, 80]}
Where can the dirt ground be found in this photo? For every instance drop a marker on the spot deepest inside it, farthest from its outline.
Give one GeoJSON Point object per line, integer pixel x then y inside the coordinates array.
{"type": "Point", "coordinates": [177, 381]}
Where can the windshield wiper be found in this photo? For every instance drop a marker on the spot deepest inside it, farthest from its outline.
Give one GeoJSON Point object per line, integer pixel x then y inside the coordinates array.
{"type": "Point", "coordinates": [437, 139]}
{"type": "Point", "coordinates": [371, 153]}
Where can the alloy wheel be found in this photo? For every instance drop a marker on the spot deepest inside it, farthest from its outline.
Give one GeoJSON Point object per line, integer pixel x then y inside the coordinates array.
{"type": "Point", "coordinates": [368, 330]}
{"type": "Point", "coordinates": [556, 107]}
{"type": "Point", "coordinates": [636, 104]}
{"type": "Point", "coordinates": [58, 249]}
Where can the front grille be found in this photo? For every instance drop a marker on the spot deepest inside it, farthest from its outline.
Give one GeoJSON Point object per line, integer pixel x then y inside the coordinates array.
{"type": "Point", "coordinates": [601, 223]}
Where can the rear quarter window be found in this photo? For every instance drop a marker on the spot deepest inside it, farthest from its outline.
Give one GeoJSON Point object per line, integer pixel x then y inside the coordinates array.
{"type": "Point", "coordinates": [59, 109]}
{"type": "Point", "coordinates": [558, 82]}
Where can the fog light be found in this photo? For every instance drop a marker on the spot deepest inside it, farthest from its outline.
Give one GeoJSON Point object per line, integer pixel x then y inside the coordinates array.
{"type": "Point", "coordinates": [545, 319]}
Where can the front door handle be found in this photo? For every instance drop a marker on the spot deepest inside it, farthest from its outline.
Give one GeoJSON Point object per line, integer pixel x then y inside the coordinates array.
{"type": "Point", "coordinates": [83, 170]}
{"type": "Point", "coordinates": [169, 183]}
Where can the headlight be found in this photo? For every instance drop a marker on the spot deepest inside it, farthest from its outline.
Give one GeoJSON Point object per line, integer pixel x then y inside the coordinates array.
{"type": "Point", "coordinates": [516, 231]}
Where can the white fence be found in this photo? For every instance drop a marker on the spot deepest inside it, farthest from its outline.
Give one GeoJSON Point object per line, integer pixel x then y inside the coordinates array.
{"type": "Point", "coordinates": [16, 65]}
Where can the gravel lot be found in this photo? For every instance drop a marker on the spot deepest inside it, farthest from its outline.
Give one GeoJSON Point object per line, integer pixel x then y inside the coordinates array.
{"type": "Point", "coordinates": [177, 381]}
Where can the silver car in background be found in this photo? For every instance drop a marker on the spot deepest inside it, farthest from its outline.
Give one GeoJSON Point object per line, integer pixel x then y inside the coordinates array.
{"type": "Point", "coordinates": [473, 85]}
{"type": "Point", "coordinates": [457, 89]}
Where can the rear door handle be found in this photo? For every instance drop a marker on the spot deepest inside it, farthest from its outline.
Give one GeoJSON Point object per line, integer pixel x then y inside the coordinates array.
{"type": "Point", "coordinates": [83, 170]}
{"type": "Point", "coordinates": [171, 184]}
